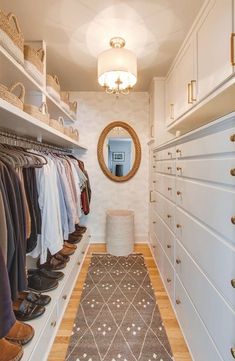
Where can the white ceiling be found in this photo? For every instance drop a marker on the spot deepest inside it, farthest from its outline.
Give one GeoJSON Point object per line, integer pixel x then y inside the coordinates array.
{"type": "Point", "coordinates": [76, 31]}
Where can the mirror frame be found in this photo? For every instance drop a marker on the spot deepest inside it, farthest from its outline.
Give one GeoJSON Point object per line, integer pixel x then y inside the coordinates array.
{"type": "Point", "coordinates": [100, 153]}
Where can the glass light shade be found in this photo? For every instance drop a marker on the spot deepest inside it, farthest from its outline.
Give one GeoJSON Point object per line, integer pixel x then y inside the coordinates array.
{"type": "Point", "coordinates": [117, 69]}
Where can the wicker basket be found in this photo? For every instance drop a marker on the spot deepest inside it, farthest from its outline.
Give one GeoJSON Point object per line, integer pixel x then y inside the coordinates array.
{"type": "Point", "coordinates": [64, 101]}
{"type": "Point", "coordinates": [75, 135]}
{"type": "Point", "coordinates": [68, 131]}
{"type": "Point", "coordinates": [40, 113]}
{"type": "Point", "coordinates": [11, 37]}
{"type": "Point", "coordinates": [73, 108]}
{"type": "Point", "coordinates": [57, 124]}
{"type": "Point", "coordinates": [53, 86]}
{"type": "Point", "coordinates": [10, 97]}
{"type": "Point", "coordinates": [35, 57]}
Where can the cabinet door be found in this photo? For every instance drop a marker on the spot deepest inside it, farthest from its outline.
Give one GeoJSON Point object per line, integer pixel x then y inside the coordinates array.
{"type": "Point", "coordinates": [170, 97]}
{"type": "Point", "coordinates": [151, 115]}
{"type": "Point", "coordinates": [213, 46]}
{"type": "Point", "coordinates": [185, 79]}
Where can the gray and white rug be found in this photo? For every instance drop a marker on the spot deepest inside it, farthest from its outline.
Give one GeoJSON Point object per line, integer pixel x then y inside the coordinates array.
{"type": "Point", "coordinates": [118, 318]}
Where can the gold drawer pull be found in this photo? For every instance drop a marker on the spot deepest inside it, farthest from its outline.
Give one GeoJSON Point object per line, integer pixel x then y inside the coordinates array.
{"type": "Point", "coordinates": [65, 297]}
{"type": "Point", "coordinates": [233, 283]}
{"type": "Point", "coordinates": [232, 48]}
{"type": "Point", "coordinates": [179, 168]}
{"type": "Point", "coordinates": [178, 193]}
{"type": "Point", "coordinates": [168, 280]}
{"type": "Point", "coordinates": [233, 220]}
{"type": "Point", "coordinates": [154, 222]}
{"type": "Point", "coordinates": [83, 252]}
{"type": "Point", "coordinates": [169, 168]}
{"type": "Point", "coordinates": [193, 87]}
{"type": "Point", "coordinates": [232, 172]}
{"type": "Point", "coordinates": [168, 216]}
{"type": "Point", "coordinates": [154, 182]}
{"type": "Point", "coordinates": [154, 246]}
{"type": "Point", "coordinates": [154, 156]}
{"type": "Point", "coordinates": [233, 352]}
{"type": "Point", "coordinates": [78, 263]}
{"type": "Point", "coordinates": [177, 302]}
{"type": "Point", "coordinates": [178, 261]}
{"type": "Point", "coordinates": [178, 151]}
{"type": "Point", "coordinates": [232, 138]}
{"type": "Point", "coordinates": [169, 153]}
{"type": "Point", "coordinates": [190, 93]}
{"type": "Point", "coordinates": [53, 323]}
{"type": "Point", "coordinates": [168, 246]}
{"type": "Point", "coordinates": [154, 166]}
{"type": "Point", "coordinates": [169, 189]}
{"type": "Point", "coordinates": [178, 226]}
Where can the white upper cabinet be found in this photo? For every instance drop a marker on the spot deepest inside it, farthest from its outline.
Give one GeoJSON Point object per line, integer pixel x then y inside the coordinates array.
{"type": "Point", "coordinates": [170, 98]}
{"type": "Point", "coordinates": [213, 50]}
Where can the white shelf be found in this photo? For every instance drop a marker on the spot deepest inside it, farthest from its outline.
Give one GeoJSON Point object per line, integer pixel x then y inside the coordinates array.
{"type": "Point", "coordinates": [40, 324]}
{"type": "Point", "coordinates": [23, 124]}
{"type": "Point", "coordinates": [11, 71]}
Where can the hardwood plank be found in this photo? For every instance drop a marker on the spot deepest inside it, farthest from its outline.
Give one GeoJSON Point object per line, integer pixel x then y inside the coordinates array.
{"type": "Point", "coordinates": [176, 339]}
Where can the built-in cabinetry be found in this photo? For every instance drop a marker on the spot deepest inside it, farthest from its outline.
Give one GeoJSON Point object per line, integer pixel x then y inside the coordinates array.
{"type": "Point", "coordinates": [203, 70]}
{"type": "Point", "coordinates": [192, 234]}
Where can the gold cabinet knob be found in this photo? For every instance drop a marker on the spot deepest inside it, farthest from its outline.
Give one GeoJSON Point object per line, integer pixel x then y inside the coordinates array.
{"type": "Point", "coordinates": [53, 323]}
{"type": "Point", "coordinates": [154, 156]}
{"type": "Point", "coordinates": [178, 226]}
{"type": "Point", "coordinates": [179, 168]}
{"type": "Point", "coordinates": [169, 188]}
{"type": "Point", "coordinates": [232, 172]}
{"type": "Point", "coordinates": [233, 282]}
{"type": "Point", "coordinates": [83, 252]}
{"type": "Point", "coordinates": [178, 261]}
{"type": "Point", "coordinates": [154, 246]}
{"type": "Point", "coordinates": [168, 280]}
{"type": "Point", "coordinates": [178, 151]}
{"type": "Point", "coordinates": [169, 153]}
{"type": "Point", "coordinates": [177, 301]}
{"type": "Point", "coordinates": [168, 246]}
{"type": "Point", "coordinates": [168, 216]}
{"type": "Point", "coordinates": [154, 166]}
{"type": "Point", "coordinates": [154, 182]}
{"type": "Point", "coordinates": [154, 222]}
{"type": "Point", "coordinates": [233, 219]}
{"type": "Point", "coordinates": [78, 263]}
{"type": "Point", "coordinates": [64, 297]}
{"type": "Point", "coordinates": [233, 352]}
{"type": "Point", "coordinates": [232, 138]}
{"type": "Point", "coordinates": [178, 193]}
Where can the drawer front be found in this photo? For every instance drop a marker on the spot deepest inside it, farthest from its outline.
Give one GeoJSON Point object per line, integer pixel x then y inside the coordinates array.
{"type": "Point", "coordinates": [214, 206]}
{"type": "Point", "coordinates": [221, 170]}
{"type": "Point", "coordinates": [65, 293]}
{"type": "Point", "coordinates": [196, 334]}
{"type": "Point", "coordinates": [166, 154]}
{"type": "Point", "coordinates": [168, 275]}
{"type": "Point", "coordinates": [215, 143]}
{"type": "Point", "coordinates": [165, 236]}
{"type": "Point", "coordinates": [214, 312]}
{"type": "Point", "coordinates": [166, 167]}
{"type": "Point", "coordinates": [165, 185]}
{"type": "Point", "coordinates": [165, 209]}
{"type": "Point", "coordinates": [212, 254]}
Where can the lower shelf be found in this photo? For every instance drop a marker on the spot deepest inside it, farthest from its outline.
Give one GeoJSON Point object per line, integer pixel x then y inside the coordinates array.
{"type": "Point", "coordinates": [46, 326]}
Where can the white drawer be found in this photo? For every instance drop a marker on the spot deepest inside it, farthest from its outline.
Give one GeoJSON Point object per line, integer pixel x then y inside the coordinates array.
{"type": "Point", "coordinates": [168, 275]}
{"type": "Point", "coordinates": [215, 313]}
{"type": "Point", "coordinates": [165, 166]}
{"type": "Point", "coordinates": [200, 343]}
{"type": "Point", "coordinates": [165, 236]}
{"type": "Point", "coordinates": [215, 143]}
{"type": "Point", "coordinates": [215, 170]}
{"type": "Point", "coordinates": [165, 154]}
{"type": "Point", "coordinates": [165, 209]}
{"type": "Point", "coordinates": [214, 256]}
{"type": "Point", "coordinates": [166, 185]}
{"type": "Point", "coordinates": [213, 205]}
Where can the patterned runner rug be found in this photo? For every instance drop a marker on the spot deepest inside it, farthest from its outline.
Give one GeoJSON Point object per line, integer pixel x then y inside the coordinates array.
{"type": "Point", "coordinates": [118, 318]}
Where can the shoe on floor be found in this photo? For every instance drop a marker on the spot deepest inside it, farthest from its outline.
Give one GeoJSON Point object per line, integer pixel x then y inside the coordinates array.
{"type": "Point", "coordinates": [20, 333]}
{"type": "Point", "coordinates": [36, 298]}
{"type": "Point", "coordinates": [39, 283]}
{"type": "Point", "coordinates": [53, 264]}
{"type": "Point", "coordinates": [80, 228]}
{"type": "Point", "coordinates": [61, 258]}
{"type": "Point", "coordinates": [55, 275]}
{"type": "Point", "coordinates": [10, 351]}
{"type": "Point", "coordinates": [69, 245]}
{"type": "Point", "coordinates": [26, 311]}
{"type": "Point", "coordinates": [66, 251]}
{"type": "Point", "coordinates": [74, 239]}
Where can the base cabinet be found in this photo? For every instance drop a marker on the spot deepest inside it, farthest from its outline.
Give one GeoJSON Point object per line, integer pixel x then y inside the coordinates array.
{"type": "Point", "coordinates": [193, 231]}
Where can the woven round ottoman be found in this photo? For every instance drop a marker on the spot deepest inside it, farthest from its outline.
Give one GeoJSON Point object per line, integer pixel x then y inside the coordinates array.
{"type": "Point", "coordinates": [120, 232]}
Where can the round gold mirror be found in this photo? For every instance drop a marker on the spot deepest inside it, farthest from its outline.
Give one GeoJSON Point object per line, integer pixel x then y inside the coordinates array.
{"type": "Point", "coordinates": [119, 151]}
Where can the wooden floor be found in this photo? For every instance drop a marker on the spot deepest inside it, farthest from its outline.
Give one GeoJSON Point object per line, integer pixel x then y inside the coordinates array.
{"type": "Point", "coordinates": [179, 348]}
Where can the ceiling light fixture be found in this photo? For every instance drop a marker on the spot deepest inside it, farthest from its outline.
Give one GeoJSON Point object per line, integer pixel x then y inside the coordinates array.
{"type": "Point", "coordinates": [117, 68]}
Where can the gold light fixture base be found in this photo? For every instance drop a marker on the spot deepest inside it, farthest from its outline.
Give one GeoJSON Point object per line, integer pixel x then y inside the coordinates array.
{"type": "Point", "coordinates": [117, 42]}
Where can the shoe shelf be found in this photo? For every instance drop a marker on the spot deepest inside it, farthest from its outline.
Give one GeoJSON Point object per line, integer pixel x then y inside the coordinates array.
{"type": "Point", "coordinates": [46, 326]}
{"type": "Point", "coordinates": [11, 72]}
{"type": "Point", "coordinates": [16, 120]}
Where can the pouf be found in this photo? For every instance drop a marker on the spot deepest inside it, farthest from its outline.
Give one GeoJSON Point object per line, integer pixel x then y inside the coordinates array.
{"type": "Point", "coordinates": [120, 232]}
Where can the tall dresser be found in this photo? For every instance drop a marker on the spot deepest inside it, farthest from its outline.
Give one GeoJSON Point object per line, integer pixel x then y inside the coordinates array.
{"type": "Point", "coordinates": [192, 234]}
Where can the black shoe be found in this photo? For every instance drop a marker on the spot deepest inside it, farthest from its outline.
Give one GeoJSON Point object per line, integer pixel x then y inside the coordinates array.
{"type": "Point", "coordinates": [80, 228]}
{"type": "Point", "coordinates": [55, 275]}
{"type": "Point", "coordinates": [26, 311]}
{"type": "Point", "coordinates": [36, 298]}
{"type": "Point", "coordinates": [39, 283]}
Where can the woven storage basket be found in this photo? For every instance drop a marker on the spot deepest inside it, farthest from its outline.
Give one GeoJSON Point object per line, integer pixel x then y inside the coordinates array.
{"type": "Point", "coordinates": [73, 108]}
{"type": "Point", "coordinates": [11, 37]}
{"type": "Point", "coordinates": [68, 131]}
{"type": "Point", "coordinates": [75, 135]}
{"type": "Point", "coordinates": [10, 97]}
{"type": "Point", "coordinates": [53, 86]}
{"type": "Point", "coordinates": [64, 101]}
{"type": "Point", "coordinates": [40, 113]}
{"type": "Point", "coordinates": [57, 124]}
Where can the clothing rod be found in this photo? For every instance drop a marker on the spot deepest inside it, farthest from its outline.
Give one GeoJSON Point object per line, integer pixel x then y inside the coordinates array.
{"type": "Point", "coordinates": [29, 142]}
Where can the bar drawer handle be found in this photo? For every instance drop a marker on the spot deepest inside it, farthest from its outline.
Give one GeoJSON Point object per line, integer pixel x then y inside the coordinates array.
{"type": "Point", "coordinates": [233, 283]}
{"type": "Point", "coordinates": [168, 246]}
{"type": "Point", "coordinates": [178, 261]}
{"type": "Point", "coordinates": [178, 193]}
{"type": "Point", "coordinates": [233, 220]}
{"type": "Point", "coordinates": [193, 87]}
{"type": "Point", "coordinates": [65, 297]}
{"type": "Point", "coordinates": [178, 225]}
{"type": "Point", "coordinates": [233, 352]}
{"type": "Point", "coordinates": [168, 280]}
{"type": "Point", "coordinates": [232, 138]}
{"type": "Point", "coordinates": [232, 48]}
{"type": "Point", "coordinates": [232, 172]}
{"type": "Point", "coordinates": [177, 302]}
{"type": "Point", "coordinates": [190, 93]}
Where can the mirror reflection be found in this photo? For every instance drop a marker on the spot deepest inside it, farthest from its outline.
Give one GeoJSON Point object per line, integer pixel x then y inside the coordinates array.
{"type": "Point", "coordinates": [119, 152]}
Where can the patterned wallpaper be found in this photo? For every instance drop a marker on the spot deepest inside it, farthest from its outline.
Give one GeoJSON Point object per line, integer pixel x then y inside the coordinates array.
{"type": "Point", "coordinates": [95, 111]}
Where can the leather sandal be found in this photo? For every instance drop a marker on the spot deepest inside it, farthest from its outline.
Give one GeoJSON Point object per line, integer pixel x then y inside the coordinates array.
{"type": "Point", "coordinates": [36, 298]}
{"type": "Point", "coordinates": [53, 264]}
{"type": "Point", "coordinates": [20, 333]}
{"type": "Point", "coordinates": [10, 351]}
{"type": "Point", "coordinates": [26, 311]}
